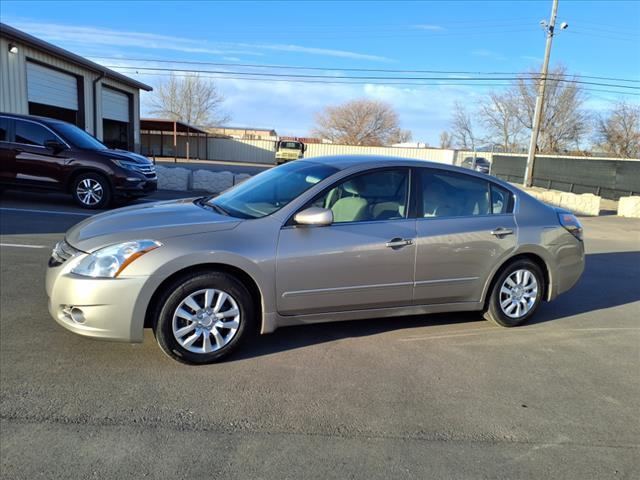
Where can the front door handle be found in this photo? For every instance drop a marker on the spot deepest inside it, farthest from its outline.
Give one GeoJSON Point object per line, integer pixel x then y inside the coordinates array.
{"type": "Point", "coordinates": [398, 242]}
{"type": "Point", "coordinates": [501, 231]}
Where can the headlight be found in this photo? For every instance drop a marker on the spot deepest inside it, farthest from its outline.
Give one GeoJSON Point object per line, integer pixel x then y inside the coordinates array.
{"type": "Point", "coordinates": [130, 165]}
{"type": "Point", "coordinates": [109, 261]}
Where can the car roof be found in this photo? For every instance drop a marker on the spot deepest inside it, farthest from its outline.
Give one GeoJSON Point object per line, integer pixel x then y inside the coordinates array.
{"type": "Point", "coordinates": [45, 120]}
{"type": "Point", "coordinates": [343, 162]}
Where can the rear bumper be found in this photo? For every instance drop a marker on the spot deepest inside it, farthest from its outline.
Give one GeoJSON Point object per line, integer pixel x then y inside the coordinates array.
{"type": "Point", "coordinates": [570, 260]}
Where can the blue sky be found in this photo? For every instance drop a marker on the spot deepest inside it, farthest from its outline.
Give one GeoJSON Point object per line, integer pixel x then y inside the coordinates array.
{"type": "Point", "coordinates": [603, 39]}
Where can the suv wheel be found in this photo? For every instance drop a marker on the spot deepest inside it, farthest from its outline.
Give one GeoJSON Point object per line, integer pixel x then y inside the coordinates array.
{"type": "Point", "coordinates": [516, 294]}
{"type": "Point", "coordinates": [203, 317]}
{"type": "Point", "coordinates": [91, 190]}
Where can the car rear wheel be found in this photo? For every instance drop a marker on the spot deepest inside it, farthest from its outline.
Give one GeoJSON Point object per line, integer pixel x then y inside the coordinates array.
{"type": "Point", "coordinates": [204, 317]}
{"type": "Point", "coordinates": [91, 190]}
{"type": "Point", "coordinates": [516, 294]}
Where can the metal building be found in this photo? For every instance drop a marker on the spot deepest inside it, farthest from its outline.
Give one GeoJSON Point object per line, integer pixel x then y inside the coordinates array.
{"type": "Point", "coordinates": [38, 78]}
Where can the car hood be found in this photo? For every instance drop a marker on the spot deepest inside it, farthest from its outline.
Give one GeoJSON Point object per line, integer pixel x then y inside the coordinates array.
{"type": "Point", "coordinates": [153, 221]}
{"type": "Point", "coordinates": [123, 155]}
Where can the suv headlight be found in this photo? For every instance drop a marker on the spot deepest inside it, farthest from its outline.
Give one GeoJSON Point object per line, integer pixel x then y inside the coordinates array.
{"type": "Point", "coordinates": [109, 261]}
{"type": "Point", "coordinates": [127, 164]}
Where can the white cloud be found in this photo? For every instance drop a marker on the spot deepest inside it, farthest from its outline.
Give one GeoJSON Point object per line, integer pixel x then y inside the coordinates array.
{"type": "Point", "coordinates": [483, 52]}
{"type": "Point", "coordinates": [429, 27]}
{"type": "Point", "coordinates": [92, 36]}
{"type": "Point", "coordinates": [290, 107]}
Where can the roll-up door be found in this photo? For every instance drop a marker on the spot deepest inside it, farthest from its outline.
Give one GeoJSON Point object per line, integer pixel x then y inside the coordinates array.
{"type": "Point", "coordinates": [47, 86]}
{"type": "Point", "coordinates": [115, 105]}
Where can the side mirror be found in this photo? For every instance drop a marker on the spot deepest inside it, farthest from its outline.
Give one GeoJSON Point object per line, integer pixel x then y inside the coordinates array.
{"type": "Point", "coordinates": [320, 217]}
{"type": "Point", "coordinates": [54, 145]}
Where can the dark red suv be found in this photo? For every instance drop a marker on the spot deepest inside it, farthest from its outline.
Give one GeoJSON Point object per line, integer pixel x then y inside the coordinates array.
{"type": "Point", "coordinates": [43, 153]}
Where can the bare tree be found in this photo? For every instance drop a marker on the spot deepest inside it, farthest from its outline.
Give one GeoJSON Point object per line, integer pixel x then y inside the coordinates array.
{"type": "Point", "coordinates": [499, 114]}
{"type": "Point", "coordinates": [191, 99]}
{"type": "Point", "coordinates": [564, 122]}
{"type": "Point", "coordinates": [618, 132]}
{"type": "Point", "coordinates": [360, 122]}
{"type": "Point", "coordinates": [463, 128]}
{"type": "Point", "coordinates": [445, 139]}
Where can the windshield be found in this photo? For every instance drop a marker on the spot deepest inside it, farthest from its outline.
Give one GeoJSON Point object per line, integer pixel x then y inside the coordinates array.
{"type": "Point", "coordinates": [293, 145]}
{"type": "Point", "coordinates": [271, 190]}
{"type": "Point", "coordinates": [77, 137]}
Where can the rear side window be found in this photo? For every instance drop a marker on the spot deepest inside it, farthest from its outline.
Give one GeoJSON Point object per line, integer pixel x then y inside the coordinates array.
{"type": "Point", "coordinates": [4, 129]}
{"type": "Point", "coordinates": [29, 133]}
{"type": "Point", "coordinates": [501, 200]}
{"type": "Point", "coordinates": [448, 194]}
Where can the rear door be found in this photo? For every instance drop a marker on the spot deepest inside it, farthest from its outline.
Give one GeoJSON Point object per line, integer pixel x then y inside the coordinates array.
{"type": "Point", "coordinates": [36, 165]}
{"type": "Point", "coordinates": [364, 260]}
{"type": "Point", "coordinates": [465, 226]}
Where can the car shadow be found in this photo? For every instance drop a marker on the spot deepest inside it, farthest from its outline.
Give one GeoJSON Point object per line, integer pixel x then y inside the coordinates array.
{"type": "Point", "coordinates": [609, 280]}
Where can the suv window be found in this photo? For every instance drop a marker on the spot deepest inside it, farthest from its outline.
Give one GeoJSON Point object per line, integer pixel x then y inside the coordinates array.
{"type": "Point", "coordinates": [30, 133]}
{"type": "Point", "coordinates": [4, 129]}
{"type": "Point", "coordinates": [374, 196]}
{"type": "Point", "coordinates": [446, 194]}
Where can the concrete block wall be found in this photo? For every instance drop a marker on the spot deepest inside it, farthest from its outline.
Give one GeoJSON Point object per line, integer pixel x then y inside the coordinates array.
{"type": "Point", "coordinates": [184, 179]}
{"type": "Point", "coordinates": [629, 207]}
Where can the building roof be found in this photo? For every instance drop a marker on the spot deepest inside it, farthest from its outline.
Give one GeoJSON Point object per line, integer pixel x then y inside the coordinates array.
{"type": "Point", "coordinates": [166, 125]}
{"type": "Point", "coordinates": [224, 127]}
{"type": "Point", "coordinates": [20, 36]}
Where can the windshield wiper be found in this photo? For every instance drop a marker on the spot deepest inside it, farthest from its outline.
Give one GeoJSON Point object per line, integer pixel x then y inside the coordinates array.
{"type": "Point", "coordinates": [219, 209]}
{"type": "Point", "coordinates": [204, 203]}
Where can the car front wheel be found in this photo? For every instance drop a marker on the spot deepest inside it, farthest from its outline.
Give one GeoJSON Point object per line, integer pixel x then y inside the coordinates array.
{"type": "Point", "coordinates": [204, 317]}
{"type": "Point", "coordinates": [91, 190]}
{"type": "Point", "coordinates": [516, 294]}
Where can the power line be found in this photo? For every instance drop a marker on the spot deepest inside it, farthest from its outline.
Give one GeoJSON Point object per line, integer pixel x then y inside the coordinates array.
{"type": "Point", "coordinates": [368, 77]}
{"type": "Point", "coordinates": [373, 70]}
{"type": "Point", "coordinates": [346, 82]}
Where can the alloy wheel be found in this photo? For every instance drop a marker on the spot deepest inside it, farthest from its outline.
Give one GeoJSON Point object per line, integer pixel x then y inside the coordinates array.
{"type": "Point", "coordinates": [90, 192]}
{"type": "Point", "coordinates": [206, 321]}
{"type": "Point", "coordinates": [518, 293]}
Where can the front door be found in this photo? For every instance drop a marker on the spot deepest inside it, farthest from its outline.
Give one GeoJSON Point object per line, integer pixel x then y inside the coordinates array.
{"type": "Point", "coordinates": [364, 260]}
{"type": "Point", "coordinates": [36, 165]}
{"type": "Point", "coordinates": [7, 153]}
{"type": "Point", "coordinates": [465, 227]}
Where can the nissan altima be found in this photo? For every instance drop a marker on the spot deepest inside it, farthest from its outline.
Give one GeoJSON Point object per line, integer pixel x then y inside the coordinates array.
{"type": "Point", "coordinates": [315, 240]}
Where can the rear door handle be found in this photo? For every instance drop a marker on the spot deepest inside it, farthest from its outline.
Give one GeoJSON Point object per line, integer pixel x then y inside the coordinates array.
{"type": "Point", "coordinates": [398, 242]}
{"type": "Point", "coordinates": [501, 231]}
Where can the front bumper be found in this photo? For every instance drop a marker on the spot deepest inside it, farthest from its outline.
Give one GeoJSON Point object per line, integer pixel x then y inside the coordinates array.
{"type": "Point", "coordinates": [102, 307]}
{"type": "Point", "coordinates": [137, 188]}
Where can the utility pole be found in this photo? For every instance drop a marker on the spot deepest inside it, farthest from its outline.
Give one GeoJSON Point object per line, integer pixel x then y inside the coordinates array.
{"type": "Point", "coordinates": [537, 116]}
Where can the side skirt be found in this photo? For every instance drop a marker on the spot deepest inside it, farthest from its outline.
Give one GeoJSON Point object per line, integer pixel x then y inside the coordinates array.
{"type": "Point", "coordinates": [272, 321]}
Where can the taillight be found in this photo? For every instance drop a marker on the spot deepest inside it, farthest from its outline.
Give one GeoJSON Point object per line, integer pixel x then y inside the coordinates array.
{"type": "Point", "coordinates": [571, 224]}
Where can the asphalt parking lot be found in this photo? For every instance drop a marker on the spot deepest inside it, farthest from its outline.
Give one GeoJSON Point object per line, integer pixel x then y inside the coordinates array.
{"type": "Point", "coordinates": [441, 396]}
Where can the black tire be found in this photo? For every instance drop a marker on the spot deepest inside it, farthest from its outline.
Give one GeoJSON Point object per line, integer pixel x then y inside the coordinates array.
{"type": "Point", "coordinates": [187, 285]}
{"type": "Point", "coordinates": [494, 311]}
{"type": "Point", "coordinates": [94, 179]}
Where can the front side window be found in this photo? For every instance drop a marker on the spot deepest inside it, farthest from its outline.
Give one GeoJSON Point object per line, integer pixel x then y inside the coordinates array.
{"type": "Point", "coordinates": [29, 133]}
{"type": "Point", "coordinates": [374, 196]}
{"type": "Point", "coordinates": [4, 129]}
{"type": "Point", "coordinates": [448, 194]}
{"type": "Point", "coordinates": [271, 190]}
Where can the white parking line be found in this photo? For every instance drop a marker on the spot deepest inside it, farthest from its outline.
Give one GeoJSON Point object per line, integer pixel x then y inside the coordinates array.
{"type": "Point", "coordinates": [51, 212]}
{"type": "Point", "coordinates": [17, 245]}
